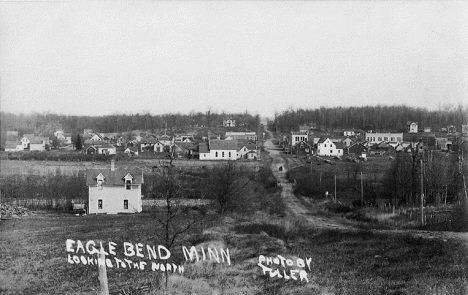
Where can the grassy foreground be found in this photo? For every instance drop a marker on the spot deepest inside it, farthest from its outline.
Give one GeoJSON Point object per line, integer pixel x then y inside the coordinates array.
{"type": "Point", "coordinates": [34, 258]}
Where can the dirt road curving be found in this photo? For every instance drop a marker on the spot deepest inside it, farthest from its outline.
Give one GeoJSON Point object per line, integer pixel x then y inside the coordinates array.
{"type": "Point", "coordinates": [294, 206]}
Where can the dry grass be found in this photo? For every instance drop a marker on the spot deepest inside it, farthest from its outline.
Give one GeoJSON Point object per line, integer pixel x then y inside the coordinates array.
{"type": "Point", "coordinates": [359, 262]}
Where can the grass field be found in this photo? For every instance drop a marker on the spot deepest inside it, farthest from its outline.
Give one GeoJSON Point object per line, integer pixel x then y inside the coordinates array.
{"type": "Point", "coordinates": [34, 258]}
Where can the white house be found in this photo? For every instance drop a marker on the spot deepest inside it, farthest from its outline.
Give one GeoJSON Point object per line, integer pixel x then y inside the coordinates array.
{"type": "Point", "coordinates": [243, 148]}
{"type": "Point", "coordinates": [107, 149]}
{"type": "Point", "coordinates": [26, 139]}
{"type": "Point", "coordinates": [348, 133]}
{"type": "Point", "coordinates": [412, 127]}
{"type": "Point", "coordinates": [38, 143]}
{"type": "Point", "coordinates": [229, 123]}
{"type": "Point", "coordinates": [217, 149]}
{"type": "Point", "coordinates": [385, 136]}
{"type": "Point", "coordinates": [325, 147]}
{"type": "Point", "coordinates": [96, 137]}
{"type": "Point", "coordinates": [13, 146]}
{"type": "Point", "coordinates": [131, 151]}
{"type": "Point", "coordinates": [114, 190]}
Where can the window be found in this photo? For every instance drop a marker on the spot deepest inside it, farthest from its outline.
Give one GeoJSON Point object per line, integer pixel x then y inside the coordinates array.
{"type": "Point", "coordinates": [229, 154]}
{"type": "Point", "coordinates": [380, 138]}
{"type": "Point", "coordinates": [386, 138]}
{"type": "Point", "coordinates": [125, 204]}
{"type": "Point", "coordinates": [99, 184]}
{"type": "Point", "coordinates": [223, 154]}
{"type": "Point", "coordinates": [99, 204]}
{"type": "Point", "coordinates": [331, 151]}
{"type": "Point", "coordinates": [325, 145]}
{"type": "Point", "coordinates": [128, 184]}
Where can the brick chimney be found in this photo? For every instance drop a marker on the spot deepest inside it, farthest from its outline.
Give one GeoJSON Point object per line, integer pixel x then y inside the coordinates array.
{"type": "Point", "coordinates": [112, 165]}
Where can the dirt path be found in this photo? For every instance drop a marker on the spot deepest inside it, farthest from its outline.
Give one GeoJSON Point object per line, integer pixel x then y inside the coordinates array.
{"type": "Point", "coordinates": [295, 207]}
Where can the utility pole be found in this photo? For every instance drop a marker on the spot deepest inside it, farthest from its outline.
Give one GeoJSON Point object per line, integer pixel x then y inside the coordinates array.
{"type": "Point", "coordinates": [362, 191]}
{"type": "Point", "coordinates": [422, 194]}
{"type": "Point", "coordinates": [335, 188]}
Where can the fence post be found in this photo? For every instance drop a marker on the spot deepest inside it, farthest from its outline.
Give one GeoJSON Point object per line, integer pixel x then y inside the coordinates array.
{"type": "Point", "coordinates": [102, 274]}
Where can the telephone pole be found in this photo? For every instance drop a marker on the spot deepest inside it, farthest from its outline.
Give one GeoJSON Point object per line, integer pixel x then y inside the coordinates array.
{"type": "Point", "coordinates": [422, 193]}
{"type": "Point", "coordinates": [362, 192]}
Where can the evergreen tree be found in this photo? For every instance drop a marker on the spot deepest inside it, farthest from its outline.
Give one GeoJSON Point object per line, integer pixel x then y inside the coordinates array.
{"type": "Point", "coordinates": [78, 144]}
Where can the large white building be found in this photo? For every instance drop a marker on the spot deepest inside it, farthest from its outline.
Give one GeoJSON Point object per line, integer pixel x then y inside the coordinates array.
{"type": "Point", "coordinates": [217, 149]}
{"type": "Point", "coordinates": [326, 147]}
{"type": "Point", "coordinates": [385, 137]}
{"type": "Point", "coordinates": [113, 191]}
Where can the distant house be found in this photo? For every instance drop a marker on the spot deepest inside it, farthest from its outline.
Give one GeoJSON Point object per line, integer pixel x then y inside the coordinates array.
{"type": "Point", "coordinates": [241, 136]}
{"type": "Point", "coordinates": [348, 133]}
{"type": "Point", "coordinates": [217, 149]}
{"type": "Point", "coordinates": [427, 129]}
{"type": "Point", "coordinates": [107, 149]}
{"type": "Point", "coordinates": [96, 137]}
{"type": "Point", "coordinates": [183, 149]}
{"type": "Point", "coordinates": [13, 146]}
{"type": "Point", "coordinates": [451, 129]}
{"type": "Point", "coordinates": [159, 146]}
{"type": "Point", "coordinates": [114, 190]}
{"type": "Point", "coordinates": [347, 142]}
{"type": "Point", "coordinates": [87, 132]}
{"type": "Point", "coordinates": [412, 127]}
{"type": "Point", "coordinates": [38, 143]}
{"type": "Point", "coordinates": [229, 123]}
{"type": "Point", "coordinates": [243, 148]}
{"type": "Point", "coordinates": [303, 148]}
{"type": "Point", "coordinates": [147, 144]}
{"type": "Point", "coordinates": [325, 147]}
{"type": "Point", "coordinates": [166, 140]}
{"type": "Point", "coordinates": [358, 149]}
{"type": "Point", "coordinates": [131, 151]}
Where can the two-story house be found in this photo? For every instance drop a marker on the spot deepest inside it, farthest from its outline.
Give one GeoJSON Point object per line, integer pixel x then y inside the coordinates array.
{"type": "Point", "coordinates": [326, 147]}
{"type": "Point", "coordinates": [114, 190]}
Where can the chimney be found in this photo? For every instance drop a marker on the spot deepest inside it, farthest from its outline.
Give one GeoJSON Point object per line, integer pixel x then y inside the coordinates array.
{"type": "Point", "coordinates": [112, 165]}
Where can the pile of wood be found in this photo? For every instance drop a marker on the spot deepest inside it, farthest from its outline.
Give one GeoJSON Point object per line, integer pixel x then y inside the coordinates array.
{"type": "Point", "coordinates": [12, 211]}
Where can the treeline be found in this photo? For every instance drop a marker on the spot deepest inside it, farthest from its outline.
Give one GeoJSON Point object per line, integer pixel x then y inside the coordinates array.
{"type": "Point", "coordinates": [47, 123]}
{"type": "Point", "coordinates": [375, 118]}
{"type": "Point", "coordinates": [439, 175]}
{"type": "Point", "coordinates": [231, 187]}
{"type": "Point", "coordinates": [52, 191]}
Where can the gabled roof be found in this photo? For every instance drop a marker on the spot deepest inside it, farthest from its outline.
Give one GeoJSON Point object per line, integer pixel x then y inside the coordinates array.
{"type": "Point", "coordinates": [39, 140]}
{"type": "Point", "coordinates": [298, 133]}
{"type": "Point", "coordinates": [322, 139]}
{"type": "Point", "coordinates": [94, 143]}
{"type": "Point", "coordinates": [115, 177]}
{"type": "Point", "coordinates": [132, 148]}
{"type": "Point", "coordinates": [203, 147]}
{"type": "Point", "coordinates": [339, 145]}
{"type": "Point", "coordinates": [11, 144]}
{"type": "Point", "coordinates": [107, 146]}
{"type": "Point", "coordinates": [149, 141]}
{"type": "Point", "coordinates": [218, 144]}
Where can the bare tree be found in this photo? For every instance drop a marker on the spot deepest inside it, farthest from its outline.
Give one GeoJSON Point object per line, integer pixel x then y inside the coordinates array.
{"type": "Point", "coordinates": [228, 187]}
{"type": "Point", "coordinates": [172, 221]}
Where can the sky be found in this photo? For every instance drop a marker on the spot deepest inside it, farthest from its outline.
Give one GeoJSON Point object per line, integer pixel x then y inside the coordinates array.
{"type": "Point", "coordinates": [99, 58]}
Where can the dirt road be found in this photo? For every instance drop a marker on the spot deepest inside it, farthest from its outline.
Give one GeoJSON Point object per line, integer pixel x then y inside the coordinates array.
{"type": "Point", "coordinates": [295, 207]}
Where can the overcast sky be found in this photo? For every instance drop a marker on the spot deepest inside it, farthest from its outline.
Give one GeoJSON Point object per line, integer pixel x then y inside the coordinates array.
{"type": "Point", "coordinates": [97, 58]}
